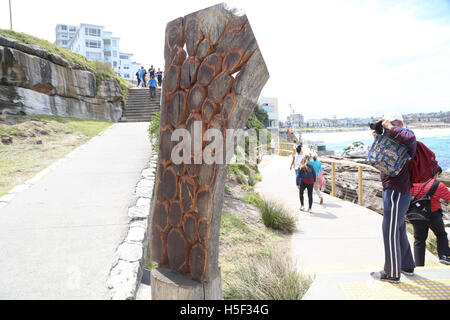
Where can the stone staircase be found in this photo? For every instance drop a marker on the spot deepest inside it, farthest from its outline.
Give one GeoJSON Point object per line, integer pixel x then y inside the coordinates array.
{"type": "Point", "coordinates": [140, 107]}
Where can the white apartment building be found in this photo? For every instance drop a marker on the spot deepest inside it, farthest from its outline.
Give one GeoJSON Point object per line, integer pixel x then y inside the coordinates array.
{"type": "Point", "coordinates": [64, 33]}
{"type": "Point", "coordinates": [271, 107]}
{"type": "Point", "coordinates": [95, 43]}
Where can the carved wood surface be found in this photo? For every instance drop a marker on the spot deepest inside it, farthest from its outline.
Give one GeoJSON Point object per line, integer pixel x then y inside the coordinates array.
{"type": "Point", "coordinates": [214, 74]}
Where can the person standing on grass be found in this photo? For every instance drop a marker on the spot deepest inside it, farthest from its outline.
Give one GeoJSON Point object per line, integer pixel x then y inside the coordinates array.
{"type": "Point", "coordinates": [306, 176]}
{"type": "Point", "coordinates": [396, 199]}
{"type": "Point", "coordinates": [317, 165]}
{"type": "Point", "coordinates": [436, 224]}
{"type": "Point", "coordinates": [152, 85]}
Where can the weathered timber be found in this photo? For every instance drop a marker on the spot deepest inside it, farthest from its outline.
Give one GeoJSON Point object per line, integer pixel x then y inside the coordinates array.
{"type": "Point", "coordinates": [214, 75]}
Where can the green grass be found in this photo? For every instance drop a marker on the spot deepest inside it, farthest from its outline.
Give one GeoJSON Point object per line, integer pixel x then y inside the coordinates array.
{"type": "Point", "coordinates": [100, 69]}
{"type": "Point", "coordinates": [24, 158]}
{"type": "Point", "coordinates": [153, 130]}
{"type": "Point", "coordinates": [256, 265]}
{"type": "Point", "coordinates": [267, 276]}
{"type": "Point", "coordinates": [277, 217]}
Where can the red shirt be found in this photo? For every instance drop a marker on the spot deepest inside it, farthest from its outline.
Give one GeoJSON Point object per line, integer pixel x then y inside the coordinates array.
{"type": "Point", "coordinates": [442, 192]}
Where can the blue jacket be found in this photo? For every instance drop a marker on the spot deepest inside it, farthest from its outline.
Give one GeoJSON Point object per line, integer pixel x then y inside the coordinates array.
{"type": "Point", "coordinates": [304, 177]}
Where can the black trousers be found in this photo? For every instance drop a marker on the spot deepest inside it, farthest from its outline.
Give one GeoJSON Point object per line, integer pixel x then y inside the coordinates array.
{"type": "Point", "coordinates": [421, 228]}
{"type": "Point", "coordinates": [152, 92]}
{"type": "Point", "coordinates": [310, 188]}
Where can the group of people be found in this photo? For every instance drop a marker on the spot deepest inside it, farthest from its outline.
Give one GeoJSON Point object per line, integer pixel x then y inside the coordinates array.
{"type": "Point", "coordinates": [398, 193]}
{"type": "Point", "coordinates": [152, 78]}
{"type": "Point", "coordinates": [309, 175]}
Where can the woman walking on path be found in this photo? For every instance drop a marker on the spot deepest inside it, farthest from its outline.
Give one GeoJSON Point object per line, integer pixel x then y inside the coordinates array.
{"type": "Point", "coordinates": [296, 159]}
{"type": "Point", "coordinates": [306, 177]}
{"type": "Point", "coordinates": [317, 165]}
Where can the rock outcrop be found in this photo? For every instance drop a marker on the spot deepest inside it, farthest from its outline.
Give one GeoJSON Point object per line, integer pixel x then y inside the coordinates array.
{"type": "Point", "coordinates": [33, 81]}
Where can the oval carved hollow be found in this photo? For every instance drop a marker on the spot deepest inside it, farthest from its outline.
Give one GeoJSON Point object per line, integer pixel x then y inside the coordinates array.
{"type": "Point", "coordinates": [197, 262]}
{"type": "Point", "coordinates": [195, 98]}
{"type": "Point", "coordinates": [190, 228]}
{"type": "Point", "coordinates": [172, 79]}
{"type": "Point", "coordinates": [178, 111]}
{"type": "Point", "coordinates": [189, 71]}
{"type": "Point", "coordinates": [209, 68]}
{"type": "Point", "coordinates": [169, 184]}
{"type": "Point", "coordinates": [175, 214]}
{"type": "Point", "coordinates": [176, 250]}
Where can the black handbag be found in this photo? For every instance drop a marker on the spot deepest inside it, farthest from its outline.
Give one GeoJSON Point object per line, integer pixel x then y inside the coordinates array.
{"type": "Point", "coordinates": [420, 209]}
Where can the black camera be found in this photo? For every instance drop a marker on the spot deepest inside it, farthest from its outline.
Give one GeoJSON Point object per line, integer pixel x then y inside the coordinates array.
{"type": "Point", "coordinates": [377, 127]}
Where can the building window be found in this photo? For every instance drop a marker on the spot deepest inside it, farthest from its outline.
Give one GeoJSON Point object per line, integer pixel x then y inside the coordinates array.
{"type": "Point", "coordinates": [114, 43]}
{"type": "Point", "coordinates": [93, 55]}
{"type": "Point", "coordinates": [64, 42]}
{"type": "Point", "coordinates": [94, 32]}
{"type": "Point", "coordinates": [124, 57]}
{"type": "Point", "coordinates": [64, 28]}
{"type": "Point", "coordinates": [126, 67]}
{"type": "Point", "coordinates": [115, 54]}
{"type": "Point", "coordinates": [115, 64]}
{"type": "Point", "coordinates": [72, 29]}
{"type": "Point", "coordinates": [64, 36]}
{"type": "Point", "coordinates": [93, 44]}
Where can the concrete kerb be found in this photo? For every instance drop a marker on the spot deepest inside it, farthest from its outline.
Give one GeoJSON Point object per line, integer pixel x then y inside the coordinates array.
{"type": "Point", "coordinates": [128, 264]}
{"type": "Point", "coordinates": [24, 186]}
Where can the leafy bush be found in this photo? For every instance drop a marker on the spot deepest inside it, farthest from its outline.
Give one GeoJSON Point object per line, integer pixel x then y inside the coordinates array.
{"type": "Point", "coordinates": [269, 276]}
{"type": "Point", "coordinates": [276, 216]}
{"type": "Point", "coordinates": [153, 129]}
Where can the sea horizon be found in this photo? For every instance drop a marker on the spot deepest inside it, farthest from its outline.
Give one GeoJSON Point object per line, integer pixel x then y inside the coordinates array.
{"type": "Point", "coordinates": [437, 139]}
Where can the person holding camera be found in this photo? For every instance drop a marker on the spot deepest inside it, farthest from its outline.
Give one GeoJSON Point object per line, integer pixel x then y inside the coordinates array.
{"type": "Point", "coordinates": [396, 200]}
{"type": "Point", "coordinates": [433, 220]}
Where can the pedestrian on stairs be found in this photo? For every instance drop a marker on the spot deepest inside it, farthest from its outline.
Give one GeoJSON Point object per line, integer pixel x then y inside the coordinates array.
{"type": "Point", "coordinates": [138, 78]}
{"type": "Point", "coordinates": [152, 85]}
{"type": "Point", "coordinates": [159, 76]}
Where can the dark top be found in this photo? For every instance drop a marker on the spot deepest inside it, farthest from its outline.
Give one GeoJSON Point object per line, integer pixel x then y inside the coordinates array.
{"type": "Point", "coordinates": [401, 182]}
{"type": "Point", "coordinates": [304, 177]}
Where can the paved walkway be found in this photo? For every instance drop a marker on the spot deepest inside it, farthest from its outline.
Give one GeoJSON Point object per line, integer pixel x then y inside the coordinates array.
{"type": "Point", "coordinates": [58, 237]}
{"type": "Point", "coordinates": [341, 243]}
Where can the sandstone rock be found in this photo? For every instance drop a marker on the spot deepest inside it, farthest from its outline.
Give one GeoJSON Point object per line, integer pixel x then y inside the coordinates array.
{"type": "Point", "coordinates": [7, 139]}
{"type": "Point", "coordinates": [2, 117]}
{"type": "Point", "coordinates": [35, 82]}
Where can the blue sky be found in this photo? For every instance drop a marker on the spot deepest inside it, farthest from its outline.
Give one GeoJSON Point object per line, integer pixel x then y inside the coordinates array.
{"type": "Point", "coordinates": [349, 58]}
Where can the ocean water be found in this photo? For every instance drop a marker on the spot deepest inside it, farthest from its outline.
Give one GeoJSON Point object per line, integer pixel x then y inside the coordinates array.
{"type": "Point", "coordinates": [438, 140]}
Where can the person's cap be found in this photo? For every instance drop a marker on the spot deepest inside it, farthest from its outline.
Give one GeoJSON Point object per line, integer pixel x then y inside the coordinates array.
{"type": "Point", "coordinates": [392, 116]}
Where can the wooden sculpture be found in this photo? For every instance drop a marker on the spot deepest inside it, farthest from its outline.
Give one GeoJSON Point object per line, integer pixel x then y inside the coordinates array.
{"type": "Point", "coordinates": [214, 75]}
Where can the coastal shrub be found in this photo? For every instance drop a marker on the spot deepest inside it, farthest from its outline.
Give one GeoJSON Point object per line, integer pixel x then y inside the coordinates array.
{"type": "Point", "coordinates": [277, 217]}
{"type": "Point", "coordinates": [271, 275]}
{"type": "Point", "coordinates": [254, 199]}
{"type": "Point", "coordinates": [153, 130]}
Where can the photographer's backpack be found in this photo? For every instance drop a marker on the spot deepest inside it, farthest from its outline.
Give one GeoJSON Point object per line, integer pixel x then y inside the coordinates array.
{"type": "Point", "coordinates": [424, 164]}
{"type": "Point", "coordinates": [419, 209]}
{"type": "Point", "coordinates": [388, 155]}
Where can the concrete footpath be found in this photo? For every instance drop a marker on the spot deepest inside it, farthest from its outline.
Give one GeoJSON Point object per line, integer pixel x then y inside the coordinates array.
{"type": "Point", "coordinates": [340, 243]}
{"type": "Point", "coordinates": [59, 235]}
